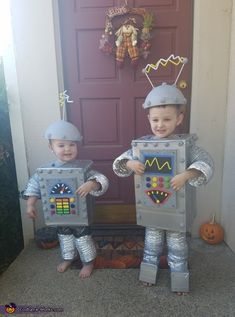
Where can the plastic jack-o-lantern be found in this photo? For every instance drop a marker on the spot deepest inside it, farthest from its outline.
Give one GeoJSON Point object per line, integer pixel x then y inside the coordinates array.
{"type": "Point", "coordinates": [212, 232]}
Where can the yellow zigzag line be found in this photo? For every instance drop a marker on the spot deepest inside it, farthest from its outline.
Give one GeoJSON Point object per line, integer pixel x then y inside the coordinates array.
{"type": "Point", "coordinates": [175, 60]}
{"type": "Point", "coordinates": [147, 162]}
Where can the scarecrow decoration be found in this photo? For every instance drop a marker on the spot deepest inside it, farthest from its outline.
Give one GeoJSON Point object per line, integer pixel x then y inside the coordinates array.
{"type": "Point", "coordinates": [127, 32]}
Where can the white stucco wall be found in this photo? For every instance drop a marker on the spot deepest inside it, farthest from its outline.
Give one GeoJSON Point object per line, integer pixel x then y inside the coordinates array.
{"type": "Point", "coordinates": [37, 80]}
{"type": "Point", "coordinates": [34, 98]}
{"type": "Point", "coordinates": [228, 187]}
{"type": "Point", "coordinates": [211, 53]}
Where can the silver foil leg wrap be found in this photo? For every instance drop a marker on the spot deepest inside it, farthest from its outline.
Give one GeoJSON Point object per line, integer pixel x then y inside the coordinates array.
{"type": "Point", "coordinates": [152, 250]}
{"type": "Point", "coordinates": [67, 246]}
{"type": "Point", "coordinates": [86, 248]}
{"type": "Point", "coordinates": [177, 251]}
{"type": "Point", "coordinates": [153, 245]}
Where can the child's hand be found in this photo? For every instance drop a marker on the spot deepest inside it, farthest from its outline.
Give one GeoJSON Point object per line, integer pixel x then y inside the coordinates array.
{"type": "Point", "coordinates": [31, 212]}
{"type": "Point", "coordinates": [137, 167]}
{"type": "Point", "coordinates": [85, 188]}
{"type": "Point", "coordinates": [178, 181]}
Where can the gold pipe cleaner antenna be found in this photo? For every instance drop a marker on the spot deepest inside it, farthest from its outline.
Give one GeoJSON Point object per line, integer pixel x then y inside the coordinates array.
{"type": "Point", "coordinates": [175, 60]}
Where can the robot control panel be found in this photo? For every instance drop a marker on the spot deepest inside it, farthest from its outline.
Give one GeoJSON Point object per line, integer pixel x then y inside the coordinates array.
{"type": "Point", "coordinates": [159, 169]}
{"type": "Point", "coordinates": [61, 204]}
{"type": "Point", "coordinates": [157, 204]}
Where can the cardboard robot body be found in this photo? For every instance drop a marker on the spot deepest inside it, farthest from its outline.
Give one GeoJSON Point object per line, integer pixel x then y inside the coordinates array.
{"type": "Point", "coordinates": [61, 205]}
{"type": "Point", "coordinates": [157, 204]}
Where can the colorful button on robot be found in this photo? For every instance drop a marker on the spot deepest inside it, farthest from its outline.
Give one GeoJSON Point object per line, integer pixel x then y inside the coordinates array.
{"type": "Point", "coordinates": [167, 178]}
{"type": "Point", "coordinates": [167, 185]}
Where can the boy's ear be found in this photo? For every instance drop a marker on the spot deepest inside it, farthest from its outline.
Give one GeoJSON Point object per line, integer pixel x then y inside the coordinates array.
{"type": "Point", "coordinates": [180, 118]}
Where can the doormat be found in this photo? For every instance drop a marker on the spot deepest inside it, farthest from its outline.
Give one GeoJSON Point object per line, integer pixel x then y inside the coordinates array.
{"type": "Point", "coordinates": [119, 252]}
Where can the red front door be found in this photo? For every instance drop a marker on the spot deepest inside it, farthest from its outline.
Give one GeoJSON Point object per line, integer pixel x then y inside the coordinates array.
{"type": "Point", "coordinates": [107, 106]}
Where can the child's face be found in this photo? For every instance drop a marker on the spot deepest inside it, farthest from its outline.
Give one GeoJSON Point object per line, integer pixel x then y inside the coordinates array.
{"type": "Point", "coordinates": [64, 150]}
{"type": "Point", "coordinates": [164, 120]}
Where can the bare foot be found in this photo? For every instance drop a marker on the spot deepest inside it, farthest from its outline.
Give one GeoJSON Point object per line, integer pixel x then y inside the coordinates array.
{"type": "Point", "coordinates": [86, 270]}
{"type": "Point", "coordinates": [181, 293]}
{"type": "Point", "coordinates": [63, 266]}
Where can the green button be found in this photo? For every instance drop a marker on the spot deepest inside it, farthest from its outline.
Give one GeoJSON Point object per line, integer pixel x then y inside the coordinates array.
{"type": "Point", "coordinates": [167, 185]}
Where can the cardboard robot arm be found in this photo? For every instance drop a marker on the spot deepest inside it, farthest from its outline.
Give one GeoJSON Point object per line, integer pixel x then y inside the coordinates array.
{"type": "Point", "coordinates": [101, 179]}
{"type": "Point", "coordinates": [119, 164]}
{"type": "Point", "coordinates": [201, 161]}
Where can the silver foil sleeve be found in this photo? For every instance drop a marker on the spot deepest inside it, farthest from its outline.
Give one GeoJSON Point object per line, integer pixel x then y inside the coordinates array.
{"type": "Point", "coordinates": [100, 178]}
{"type": "Point", "coordinates": [177, 251]}
{"type": "Point", "coordinates": [119, 164]}
{"type": "Point", "coordinates": [201, 161]}
{"type": "Point", "coordinates": [86, 248]}
{"type": "Point", "coordinates": [67, 246]}
{"type": "Point", "coordinates": [153, 245]}
{"type": "Point", "coordinates": [32, 188]}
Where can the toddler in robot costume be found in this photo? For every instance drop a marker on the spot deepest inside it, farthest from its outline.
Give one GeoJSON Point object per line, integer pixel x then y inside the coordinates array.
{"type": "Point", "coordinates": [166, 105]}
{"type": "Point", "coordinates": [63, 138]}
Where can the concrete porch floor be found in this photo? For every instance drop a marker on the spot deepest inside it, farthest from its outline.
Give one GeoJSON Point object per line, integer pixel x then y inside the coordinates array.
{"type": "Point", "coordinates": [32, 280]}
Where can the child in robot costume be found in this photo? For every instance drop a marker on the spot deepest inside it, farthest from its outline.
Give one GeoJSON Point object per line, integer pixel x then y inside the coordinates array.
{"type": "Point", "coordinates": [63, 138]}
{"type": "Point", "coordinates": [166, 105]}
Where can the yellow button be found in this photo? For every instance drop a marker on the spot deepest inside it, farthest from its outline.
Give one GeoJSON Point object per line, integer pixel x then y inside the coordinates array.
{"type": "Point", "coordinates": [72, 200]}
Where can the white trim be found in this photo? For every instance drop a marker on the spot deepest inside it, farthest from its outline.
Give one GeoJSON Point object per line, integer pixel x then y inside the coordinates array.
{"type": "Point", "coordinates": [228, 201]}
{"type": "Point", "coordinates": [17, 132]}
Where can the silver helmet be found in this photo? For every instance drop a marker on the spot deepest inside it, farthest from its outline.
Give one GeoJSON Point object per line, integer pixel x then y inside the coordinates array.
{"type": "Point", "coordinates": [164, 95]}
{"type": "Point", "coordinates": [62, 130]}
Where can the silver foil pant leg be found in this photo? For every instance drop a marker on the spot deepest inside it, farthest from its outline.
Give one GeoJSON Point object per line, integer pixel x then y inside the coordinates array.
{"type": "Point", "coordinates": [177, 251]}
{"type": "Point", "coordinates": [67, 246]}
{"type": "Point", "coordinates": [86, 248]}
{"type": "Point", "coordinates": [153, 245]}
{"type": "Point", "coordinates": [154, 239]}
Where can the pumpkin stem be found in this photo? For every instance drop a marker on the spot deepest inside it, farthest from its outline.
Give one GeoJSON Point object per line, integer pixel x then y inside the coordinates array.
{"type": "Point", "coordinates": [213, 219]}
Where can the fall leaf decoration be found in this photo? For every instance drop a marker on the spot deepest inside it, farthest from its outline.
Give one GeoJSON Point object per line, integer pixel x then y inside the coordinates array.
{"type": "Point", "coordinates": [140, 46]}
